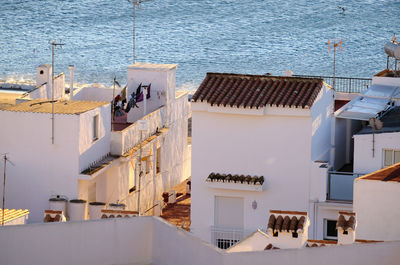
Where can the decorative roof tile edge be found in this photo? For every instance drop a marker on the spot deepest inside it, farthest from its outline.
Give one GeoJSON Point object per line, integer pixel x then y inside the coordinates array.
{"type": "Point", "coordinates": [239, 179]}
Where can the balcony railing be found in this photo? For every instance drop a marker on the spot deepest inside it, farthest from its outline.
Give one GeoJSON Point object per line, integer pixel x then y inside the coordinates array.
{"type": "Point", "coordinates": [344, 84]}
{"type": "Point", "coordinates": [224, 237]}
{"type": "Point", "coordinates": [340, 186]}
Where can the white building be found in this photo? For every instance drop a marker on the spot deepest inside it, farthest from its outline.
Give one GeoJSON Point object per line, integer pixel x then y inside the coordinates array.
{"type": "Point", "coordinates": [252, 126]}
{"type": "Point", "coordinates": [42, 168]}
{"type": "Point", "coordinates": [376, 204]}
{"type": "Point", "coordinates": [91, 159]}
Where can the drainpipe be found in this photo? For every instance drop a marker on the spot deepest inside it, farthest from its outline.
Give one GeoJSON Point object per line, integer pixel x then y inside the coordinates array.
{"type": "Point", "coordinates": [333, 147]}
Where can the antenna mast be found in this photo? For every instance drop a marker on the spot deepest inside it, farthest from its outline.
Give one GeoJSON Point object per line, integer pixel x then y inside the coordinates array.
{"type": "Point", "coordinates": [335, 45]}
{"type": "Point", "coordinates": [54, 44]}
{"type": "Point", "coordinates": [136, 3]}
{"type": "Point", "coordinates": [4, 186]}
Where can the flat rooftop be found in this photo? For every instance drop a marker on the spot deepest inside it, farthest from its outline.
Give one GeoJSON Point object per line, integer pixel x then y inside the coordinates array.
{"type": "Point", "coordinates": [60, 106]}
{"type": "Point", "coordinates": [152, 66]}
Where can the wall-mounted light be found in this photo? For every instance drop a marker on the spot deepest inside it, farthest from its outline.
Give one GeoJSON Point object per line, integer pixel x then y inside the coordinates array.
{"type": "Point", "coordinates": [254, 205]}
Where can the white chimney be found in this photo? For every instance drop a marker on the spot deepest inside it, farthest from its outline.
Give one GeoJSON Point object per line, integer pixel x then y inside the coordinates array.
{"type": "Point", "coordinates": [43, 74]}
{"type": "Point", "coordinates": [288, 73]}
{"type": "Point", "coordinates": [71, 81]}
{"type": "Point", "coordinates": [288, 229]}
{"type": "Point", "coordinates": [346, 227]}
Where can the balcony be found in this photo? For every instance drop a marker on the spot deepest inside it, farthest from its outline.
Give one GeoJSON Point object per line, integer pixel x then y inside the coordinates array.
{"type": "Point", "coordinates": [127, 138]}
{"type": "Point", "coordinates": [340, 186]}
{"type": "Point", "coordinates": [224, 237]}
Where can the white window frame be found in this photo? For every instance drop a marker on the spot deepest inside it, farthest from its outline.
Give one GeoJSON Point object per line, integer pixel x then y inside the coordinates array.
{"type": "Point", "coordinates": [326, 237]}
{"type": "Point", "coordinates": [96, 119]}
{"type": "Point", "coordinates": [383, 156]}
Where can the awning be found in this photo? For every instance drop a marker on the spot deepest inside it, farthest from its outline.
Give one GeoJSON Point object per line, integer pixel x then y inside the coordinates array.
{"type": "Point", "coordinates": [369, 104]}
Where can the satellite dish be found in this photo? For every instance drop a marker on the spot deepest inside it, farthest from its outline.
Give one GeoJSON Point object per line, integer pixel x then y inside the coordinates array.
{"type": "Point", "coordinates": [375, 123]}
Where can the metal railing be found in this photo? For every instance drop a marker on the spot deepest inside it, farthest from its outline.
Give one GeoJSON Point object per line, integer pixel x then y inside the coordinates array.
{"type": "Point", "coordinates": [224, 237]}
{"type": "Point", "coordinates": [344, 84]}
{"type": "Point", "coordinates": [340, 186]}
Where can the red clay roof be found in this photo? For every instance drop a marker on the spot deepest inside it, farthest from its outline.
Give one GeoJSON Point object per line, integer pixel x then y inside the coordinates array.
{"type": "Point", "coordinates": [391, 173]}
{"type": "Point", "coordinates": [255, 91]}
{"type": "Point", "coordinates": [179, 213]}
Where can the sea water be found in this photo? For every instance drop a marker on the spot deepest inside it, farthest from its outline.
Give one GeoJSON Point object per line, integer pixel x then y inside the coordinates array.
{"type": "Point", "coordinates": [235, 36]}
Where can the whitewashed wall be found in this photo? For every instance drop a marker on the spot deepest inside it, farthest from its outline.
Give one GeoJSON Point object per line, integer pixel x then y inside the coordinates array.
{"type": "Point", "coordinates": [364, 162]}
{"type": "Point", "coordinates": [321, 112]}
{"type": "Point", "coordinates": [273, 146]}
{"type": "Point", "coordinates": [89, 150]}
{"type": "Point", "coordinates": [377, 208]}
{"type": "Point", "coordinates": [150, 240]}
{"type": "Point", "coordinates": [96, 93]}
{"type": "Point", "coordinates": [41, 169]}
{"type": "Point", "coordinates": [101, 242]}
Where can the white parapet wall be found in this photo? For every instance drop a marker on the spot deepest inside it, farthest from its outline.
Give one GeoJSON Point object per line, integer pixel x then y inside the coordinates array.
{"type": "Point", "coordinates": [151, 240]}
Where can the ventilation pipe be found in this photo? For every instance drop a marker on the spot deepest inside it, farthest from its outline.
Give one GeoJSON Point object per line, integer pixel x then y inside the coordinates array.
{"type": "Point", "coordinates": [71, 81]}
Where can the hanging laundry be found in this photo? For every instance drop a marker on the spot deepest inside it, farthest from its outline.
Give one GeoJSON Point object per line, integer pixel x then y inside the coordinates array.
{"type": "Point", "coordinates": [131, 103]}
{"type": "Point", "coordinates": [123, 96]}
{"type": "Point", "coordinates": [148, 91]}
{"type": "Point", "coordinates": [139, 93]}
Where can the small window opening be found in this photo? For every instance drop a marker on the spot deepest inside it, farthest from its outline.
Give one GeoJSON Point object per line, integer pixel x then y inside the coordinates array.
{"type": "Point", "coordinates": [345, 232]}
{"type": "Point", "coordinates": [41, 72]}
{"type": "Point", "coordinates": [295, 235]}
{"type": "Point", "coordinates": [275, 234]}
{"type": "Point", "coordinates": [95, 127]}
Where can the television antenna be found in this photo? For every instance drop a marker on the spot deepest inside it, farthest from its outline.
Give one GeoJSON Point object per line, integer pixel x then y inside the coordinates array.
{"type": "Point", "coordinates": [335, 45]}
{"type": "Point", "coordinates": [5, 159]}
{"type": "Point", "coordinates": [138, 4]}
{"type": "Point", "coordinates": [54, 45]}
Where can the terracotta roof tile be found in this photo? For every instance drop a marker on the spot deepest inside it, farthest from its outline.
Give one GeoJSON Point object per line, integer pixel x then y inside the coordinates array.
{"type": "Point", "coordinates": [279, 222]}
{"type": "Point", "coordinates": [235, 178]}
{"type": "Point", "coordinates": [255, 91]}
{"type": "Point", "coordinates": [391, 173]}
{"type": "Point", "coordinates": [345, 224]}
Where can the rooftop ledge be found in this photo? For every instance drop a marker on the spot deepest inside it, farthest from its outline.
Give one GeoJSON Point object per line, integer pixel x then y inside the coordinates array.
{"type": "Point", "coordinates": [234, 186]}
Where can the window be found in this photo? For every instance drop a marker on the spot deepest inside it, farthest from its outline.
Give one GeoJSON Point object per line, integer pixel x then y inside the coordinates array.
{"type": "Point", "coordinates": [390, 157]}
{"type": "Point", "coordinates": [330, 231]}
{"type": "Point", "coordinates": [226, 243]}
{"type": "Point", "coordinates": [96, 127]}
{"type": "Point", "coordinates": [41, 72]}
{"type": "Point", "coordinates": [158, 160]}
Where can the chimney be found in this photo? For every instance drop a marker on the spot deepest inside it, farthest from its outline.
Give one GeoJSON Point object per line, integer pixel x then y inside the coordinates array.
{"type": "Point", "coordinates": [346, 226]}
{"type": "Point", "coordinates": [288, 229]}
{"type": "Point", "coordinates": [71, 81]}
{"type": "Point", "coordinates": [43, 75]}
